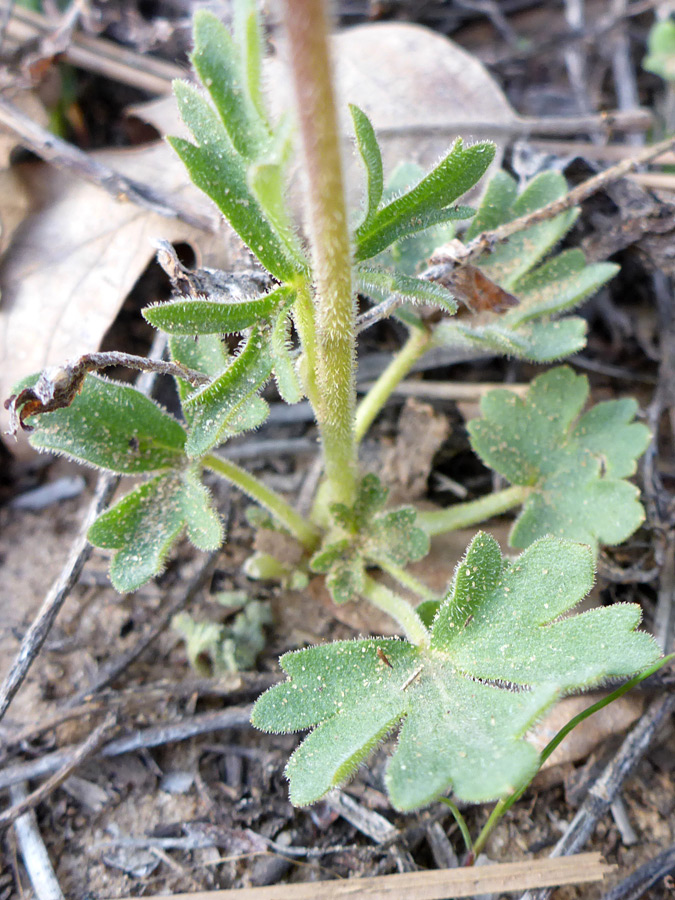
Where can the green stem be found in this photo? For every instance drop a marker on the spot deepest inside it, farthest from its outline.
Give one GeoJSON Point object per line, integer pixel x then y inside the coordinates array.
{"type": "Point", "coordinates": [306, 23]}
{"type": "Point", "coordinates": [461, 821]}
{"type": "Point", "coordinates": [462, 515]}
{"type": "Point", "coordinates": [416, 345]}
{"type": "Point", "coordinates": [496, 814]}
{"type": "Point", "coordinates": [407, 579]}
{"type": "Point", "coordinates": [505, 804]}
{"type": "Point", "coordinates": [399, 609]}
{"type": "Point", "coordinates": [303, 530]}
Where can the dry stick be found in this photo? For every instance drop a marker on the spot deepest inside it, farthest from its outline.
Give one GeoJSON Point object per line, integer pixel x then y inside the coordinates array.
{"type": "Point", "coordinates": [641, 880]}
{"type": "Point", "coordinates": [33, 851]}
{"type": "Point", "coordinates": [95, 54]}
{"type": "Point", "coordinates": [606, 788]}
{"type": "Point", "coordinates": [429, 885]}
{"type": "Point", "coordinates": [487, 240]}
{"type": "Point", "coordinates": [373, 825]}
{"type": "Point", "coordinates": [39, 628]}
{"type": "Point", "coordinates": [114, 667]}
{"type": "Point", "coordinates": [84, 751]}
{"type": "Point", "coordinates": [155, 736]}
{"type": "Point", "coordinates": [66, 156]}
{"type": "Point", "coordinates": [79, 554]}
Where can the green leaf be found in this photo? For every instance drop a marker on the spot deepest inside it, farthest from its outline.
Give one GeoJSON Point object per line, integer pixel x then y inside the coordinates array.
{"type": "Point", "coordinates": [575, 468]}
{"type": "Point", "coordinates": [366, 141]}
{"type": "Point", "coordinates": [249, 39]}
{"type": "Point", "coordinates": [214, 408]}
{"type": "Point", "coordinates": [146, 523]}
{"type": "Point", "coordinates": [499, 656]}
{"type": "Point", "coordinates": [205, 354]}
{"type": "Point", "coordinates": [217, 61]}
{"type": "Point", "coordinates": [213, 648]}
{"type": "Point", "coordinates": [660, 57]}
{"type": "Point", "coordinates": [428, 202]}
{"type": "Point", "coordinates": [380, 283]}
{"type": "Point", "coordinates": [192, 317]}
{"type": "Point", "coordinates": [539, 341]}
{"type": "Point", "coordinates": [112, 426]}
{"type": "Point", "coordinates": [216, 169]}
{"type": "Point", "coordinates": [285, 374]}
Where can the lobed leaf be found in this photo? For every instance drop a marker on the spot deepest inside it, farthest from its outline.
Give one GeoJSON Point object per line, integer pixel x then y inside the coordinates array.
{"type": "Point", "coordinates": [285, 374]}
{"type": "Point", "coordinates": [539, 341]}
{"type": "Point", "coordinates": [192, 317]}
{"type": "Point", "coordinates": [216, 410]}
{"type": "Point", "coordinates": [144, 525]}
{"type": "Point", "coordinates": [499, 655]}
{"type": "Point", "coordinates": [112, 426]}
{"type": "Point", "coordinates": [575, 468]}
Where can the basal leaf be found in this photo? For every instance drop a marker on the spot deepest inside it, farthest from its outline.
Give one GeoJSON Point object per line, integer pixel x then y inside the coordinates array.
{"type": "Point", "coordinates": [366, 141]}
{"type": "Point", "coordinates": [216, 168]}
{"type": "Point", "coordinates": [112, 426]}
{"type": "Point", "coordinates": [214, 409]}
{"type": "Point", "coordinates": [428, 203]}
{"type": "Point", "coordinates": [205, 353]}
{"type": "Point", "coordinates": [539, 341]}
{"type": "Point", "coordinates": [499, 655]}
{"type": "Point", "coordinates": [660, 57]}
{"type": "Point", "coordinates": [221, 70]}
{"type": "Point", "coordinates": [574, 468]}
{"type": "Point", "coordinates": [192, 317]}
{"type": "Point", "coordinates": [144, 525]}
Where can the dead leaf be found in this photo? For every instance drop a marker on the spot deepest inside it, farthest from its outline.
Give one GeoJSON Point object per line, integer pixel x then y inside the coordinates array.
{"type": "Point", "coordinates": [406, 465]}
{"type": "Point", "coordinates": [75, 260]}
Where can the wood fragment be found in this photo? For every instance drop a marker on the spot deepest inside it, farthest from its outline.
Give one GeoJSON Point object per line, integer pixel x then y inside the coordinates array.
{"type": "Point", "coordinates": [430, 885]}
{"type": "Point", "coordinates": [33, 851]}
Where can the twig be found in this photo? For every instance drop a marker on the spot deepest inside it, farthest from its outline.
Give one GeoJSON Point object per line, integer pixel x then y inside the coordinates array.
{"type": "Point", "coordinates": [623, 69]}
{"type": "Point", "coordinates": [487, 240]}
{"type": "Point", "coordinates": [39, 628]}
{"type": "Point", "coordinates": [373, 825]}
{"type": "Point", "coordinates": [602, 793]}
{"type": "Point", "coordinates": [641, 880]}
{"type": "Point", "coordinates": [111, 669]}
{"type": "Point", "coordinates": [432, 885]}
{"type": "Point", "coordinates": [33, 851]}
{"type": "Point", "coordinates": [79, 554]}
{"type": "Point", "coordinates": [66, 156]}
{"type": "Point", "coordinates": [95, 54]}
{"type": "Point", "coordinates": [87, 749]}
{"type": "Point", "coordinates": [154, 736]}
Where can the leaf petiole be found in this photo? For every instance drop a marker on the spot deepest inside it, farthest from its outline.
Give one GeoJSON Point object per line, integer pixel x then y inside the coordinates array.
{"type": "Point", "coordinates": [303, 530]}
{"type": "Point", "coordinates": [399, 609]}
{"type": "Point", "coordinates": [462, 515]}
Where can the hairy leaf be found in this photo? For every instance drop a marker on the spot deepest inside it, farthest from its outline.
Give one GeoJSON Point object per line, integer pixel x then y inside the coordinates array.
{"type": "Point", "coordinates": [112, 426]}
{"type": "Point", "coordinates": [214, 409]}
{"type": "Point", "coordinates": [366, 141]}
{"type": "Point", "coordinates": [428, 203]}
{"type": "Point", "coordinates": [539, 341]}
{"type": "Point", "coordinates": [499, 655]}
{"type": "Point", "coordinates": [216, 168]}
{"type": "Point", "coordinates": [145, 524]}
{"type": "Point", "coordinates": [381, 283]}
{"type": "Point", "coordinates": [575, 466]}
{"type": "Point", "coordinates": [192, 317]}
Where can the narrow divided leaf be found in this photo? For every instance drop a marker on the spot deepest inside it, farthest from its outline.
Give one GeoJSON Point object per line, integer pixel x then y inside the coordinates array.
{"type": "Point", "coordinates": [575, 467]}
{"type": "Point", "coordinates": [220, 172]}
{"type": "Point", "coordinates": [366, 141]}
{"type": "Point", "coordinates": [499, 656]}
{"type": "Point", "coordinates": [382, 283]}
{"type": "Point", "coordinates": [428, 203]}
{"type": "Point", "coordinates": [192, 317]}
{"type": "Point", "coordinates": [217, 61]}
{"type": "Point", "coordinates": [285, 374]}
{"type": "Point", "coordinates": [213, 410]}
{"type": "Point", "coordinates": [112, 426]}
{"type": "Point", "coordinates": [146, 523]}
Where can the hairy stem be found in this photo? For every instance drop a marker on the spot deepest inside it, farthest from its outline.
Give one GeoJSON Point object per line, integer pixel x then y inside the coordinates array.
{"type": "Point", "coordinates": [399, 609]}
{"type": "Point", "coordinates": [306, 23]}
{"type": "Point", "coordinates": [407, 580]}
{"type": "Point", "coordinates": [417, 343]}
{"type": "Point", "coordinates": [462, 515]}
{"type": "Point", "coordinates": [303, 530]}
